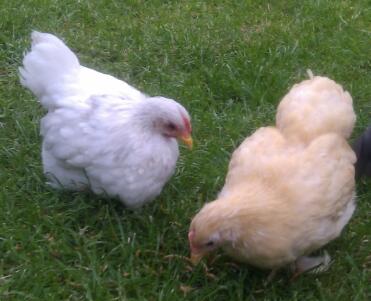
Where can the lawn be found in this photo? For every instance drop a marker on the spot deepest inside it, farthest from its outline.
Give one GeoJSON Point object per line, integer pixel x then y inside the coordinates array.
{"type": "Point", "coordinates": [229, 63]}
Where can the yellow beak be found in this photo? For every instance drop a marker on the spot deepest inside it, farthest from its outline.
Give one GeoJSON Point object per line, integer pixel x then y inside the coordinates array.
{"type": "Point", "coordinates": [187, 139]}
{"type": "Point", "coordinates": [196, 258]}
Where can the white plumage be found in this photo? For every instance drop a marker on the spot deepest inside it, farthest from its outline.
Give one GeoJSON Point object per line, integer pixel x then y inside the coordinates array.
{"type": "Point", "coordinates": [99, 131]}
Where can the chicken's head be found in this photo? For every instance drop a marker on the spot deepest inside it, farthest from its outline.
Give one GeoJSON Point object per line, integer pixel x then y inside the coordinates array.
{"type": "Point", "coordinates": [205, 233]}
{"type": "Point", "coordinates": [172, 120]}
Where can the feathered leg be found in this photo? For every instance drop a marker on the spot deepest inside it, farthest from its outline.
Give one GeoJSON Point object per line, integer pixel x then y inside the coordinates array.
{"type": "Point", "coordinates": [316, 264]}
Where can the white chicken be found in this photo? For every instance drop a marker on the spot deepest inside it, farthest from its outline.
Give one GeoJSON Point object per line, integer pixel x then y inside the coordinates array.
{"type": "Point", "coordinates": [99, 132]}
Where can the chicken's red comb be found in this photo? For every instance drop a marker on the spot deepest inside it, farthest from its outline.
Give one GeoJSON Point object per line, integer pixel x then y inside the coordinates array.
{"type": "Point", "coordinates": [187, 124]}
{"type": "Point", "coordinates": [191, 235]}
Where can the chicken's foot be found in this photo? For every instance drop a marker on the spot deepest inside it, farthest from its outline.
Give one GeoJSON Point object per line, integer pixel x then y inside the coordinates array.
{"type": "Point", "coordinates": [316, 265]}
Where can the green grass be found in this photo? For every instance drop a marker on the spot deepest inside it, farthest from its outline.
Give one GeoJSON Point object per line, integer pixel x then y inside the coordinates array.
{"type": "Point", "coordinates": [229, 64]}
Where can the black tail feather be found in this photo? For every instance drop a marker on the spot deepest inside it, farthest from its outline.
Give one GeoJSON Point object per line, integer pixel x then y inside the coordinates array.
{"type": "Point", "coordinates": [362, 148]}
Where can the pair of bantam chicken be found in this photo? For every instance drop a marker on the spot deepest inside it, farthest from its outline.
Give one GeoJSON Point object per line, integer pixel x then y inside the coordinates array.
{"type": "Point", "coordinates": [289, 190]}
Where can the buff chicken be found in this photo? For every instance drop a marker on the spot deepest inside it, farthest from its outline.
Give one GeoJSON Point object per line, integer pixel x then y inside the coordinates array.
{"type": "Point", "coordinates": [290, 188]}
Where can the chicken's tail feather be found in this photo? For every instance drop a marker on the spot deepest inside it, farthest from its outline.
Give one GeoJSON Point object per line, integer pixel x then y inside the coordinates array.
{"type": "Point", "coordinates": [48, 65]}
{"type": "Point", "coordinates": [315, 107]}
{"type": "Point", "coordinates": [362, 148]}
{"type": "Point", "coordinates": [310, 73]}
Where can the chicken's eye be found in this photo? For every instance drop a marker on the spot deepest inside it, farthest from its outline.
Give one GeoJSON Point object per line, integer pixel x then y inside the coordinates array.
{"type": "Point", "coordinates": [171, 126]}
{"type": "Point", "coordinates": [209, 244]}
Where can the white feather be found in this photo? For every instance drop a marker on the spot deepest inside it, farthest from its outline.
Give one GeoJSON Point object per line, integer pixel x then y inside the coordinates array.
{"type": "Point", "coordinates": [97, 130]}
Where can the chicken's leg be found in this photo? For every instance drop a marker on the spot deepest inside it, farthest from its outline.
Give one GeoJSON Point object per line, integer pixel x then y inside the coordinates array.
{"type": "Point", "coordinates": [316, 264]}
{"type": "Point", "coordinates": [271, 276]}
